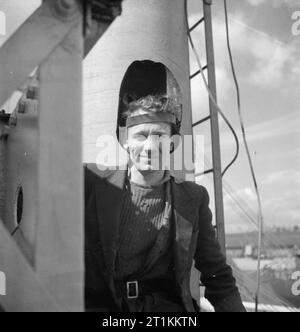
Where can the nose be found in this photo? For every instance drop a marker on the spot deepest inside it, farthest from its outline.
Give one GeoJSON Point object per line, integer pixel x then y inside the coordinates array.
{"type": "Point", "coordinates": [151, 145]}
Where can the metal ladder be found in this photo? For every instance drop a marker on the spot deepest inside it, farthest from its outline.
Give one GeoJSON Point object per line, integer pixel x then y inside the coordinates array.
{"type": "Point", "coordinates": [213, 117]}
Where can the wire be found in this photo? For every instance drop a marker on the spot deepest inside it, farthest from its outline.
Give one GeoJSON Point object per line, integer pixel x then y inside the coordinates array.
{"type": "Point", "coordinates": [211, 95]}
{"type": "Point", "coordinates": [14, 231]}
{"type": "Point", "coordinates": [242, 277]}
{"type": "Point", "coordinates": [260, 221]}
{"type": "Point", "coordinates": [245, 209]}
{"type": "Point", "coordinates": [260, 215]}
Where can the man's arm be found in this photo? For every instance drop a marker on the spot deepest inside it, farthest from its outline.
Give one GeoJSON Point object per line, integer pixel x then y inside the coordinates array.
{"type": "Point", "coordinates": [216, 275]}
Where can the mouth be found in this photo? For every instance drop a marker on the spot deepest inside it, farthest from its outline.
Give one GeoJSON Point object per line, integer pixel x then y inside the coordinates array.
{"type": "Point", "coordinates": [149, 160]}
{"type": "Point", "coordinates": [147, 157]}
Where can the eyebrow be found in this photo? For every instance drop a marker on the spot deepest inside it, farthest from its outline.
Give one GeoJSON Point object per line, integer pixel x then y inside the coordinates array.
{"type": "Point", "coordinates": [154, 132]}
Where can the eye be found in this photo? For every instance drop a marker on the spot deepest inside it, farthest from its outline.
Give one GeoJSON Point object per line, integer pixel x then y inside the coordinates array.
{"type": "Point", "coordinates": [140, 137]}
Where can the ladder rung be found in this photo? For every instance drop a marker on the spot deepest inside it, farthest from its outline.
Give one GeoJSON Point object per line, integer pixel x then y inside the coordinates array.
{"type": "Point", "coordinates": [197, 72]}
{"type": "Point", "coordinates": [201, 121]}
{"type": "Point", "coordinates": [196, 24]}
{"type": "Point", "coordinates": [205, 172]}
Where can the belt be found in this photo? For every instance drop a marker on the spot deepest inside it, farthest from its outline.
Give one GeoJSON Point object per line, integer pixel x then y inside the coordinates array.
{"type": "Point", "coordinates": [134, 289]}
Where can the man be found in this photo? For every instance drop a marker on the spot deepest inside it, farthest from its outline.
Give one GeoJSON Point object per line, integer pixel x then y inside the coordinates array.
{"type": "Point", "coordinates": [144, 229]}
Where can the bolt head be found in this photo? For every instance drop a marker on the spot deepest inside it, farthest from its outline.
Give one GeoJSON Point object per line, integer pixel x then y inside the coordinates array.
{"type": "Point", "coordinates": [32, 92]}
{"type": "Point", "coordinates": [66, 8]}
{"type": "Point", "coordinates": [13, 121]}
{"type": "Point", "coordinates": [22, 107]}
{"type": "Point", "coordinates": [67, 3]}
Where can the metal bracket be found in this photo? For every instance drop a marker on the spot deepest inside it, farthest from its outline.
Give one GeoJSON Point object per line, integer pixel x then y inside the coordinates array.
{"type": "Point", "coordinates": [65, 10]}
{"type": "Point", "coordinates": [105, 10]}
{"type": "Point", "coordinates": [98, 15]}
{"type": "Point", "coordinates": [30, 45]}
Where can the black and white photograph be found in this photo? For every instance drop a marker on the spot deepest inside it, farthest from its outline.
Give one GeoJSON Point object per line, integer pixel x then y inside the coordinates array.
{"type": "Point", "coordinates": [149, 158]}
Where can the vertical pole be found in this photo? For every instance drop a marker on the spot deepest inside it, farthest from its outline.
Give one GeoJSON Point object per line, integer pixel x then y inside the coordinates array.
{"type": "Point", "coordinates": [59, 248]}
{"type": "Point", "coordinates": [2, 175]}
{"type": "Point", "coordinates": [216, 151]}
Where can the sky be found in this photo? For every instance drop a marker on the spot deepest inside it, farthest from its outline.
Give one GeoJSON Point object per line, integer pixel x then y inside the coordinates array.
{"type": "Point", "coordinates": [267, 61]}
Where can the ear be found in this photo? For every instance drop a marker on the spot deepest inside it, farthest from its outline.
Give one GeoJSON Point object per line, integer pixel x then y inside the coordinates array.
{"type": "Point", "coordinates": [125, 144]}
{"type": "Point", "coordinates": [122, 136]}
{"type": "Point", "coordinates": [172, 147]}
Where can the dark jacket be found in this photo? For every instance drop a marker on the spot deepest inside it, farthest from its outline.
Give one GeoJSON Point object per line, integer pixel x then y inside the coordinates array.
{"type": "Point", "coordinates": [194, 241]}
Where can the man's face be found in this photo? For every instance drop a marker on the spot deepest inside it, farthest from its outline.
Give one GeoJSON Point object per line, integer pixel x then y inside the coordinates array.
{"type": "Point", "coordinates": [147, 143]}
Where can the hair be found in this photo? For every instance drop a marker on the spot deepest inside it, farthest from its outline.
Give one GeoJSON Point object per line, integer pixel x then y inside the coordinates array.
{"type": "Point", "coordinates": [152, 104]}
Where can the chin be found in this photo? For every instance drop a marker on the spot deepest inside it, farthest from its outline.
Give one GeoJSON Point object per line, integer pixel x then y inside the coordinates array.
{"type": "Point", "coordinates": [146, 168]}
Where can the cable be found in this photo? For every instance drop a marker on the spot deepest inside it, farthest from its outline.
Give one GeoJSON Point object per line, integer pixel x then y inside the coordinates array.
{"type": "Point", "coordinates": [211, 95]}
{"type": "Point", "coordinates": [14, 231]}
{"type": "Point", "coordinates": [260, 215]}
{"type": "Point", "coordinates": [247, 211]}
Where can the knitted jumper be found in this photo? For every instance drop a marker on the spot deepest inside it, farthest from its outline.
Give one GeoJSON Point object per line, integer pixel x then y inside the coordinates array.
{"type": "Point", "coordinates": [143, 219]}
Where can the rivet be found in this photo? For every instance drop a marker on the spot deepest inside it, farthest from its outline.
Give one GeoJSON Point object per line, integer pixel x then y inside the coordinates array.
{"type": "Point", "coordinates": [13, 121]}
{"type": "Point", "coordinates": [65, 8]}
{"type": "Point", "coordinates": [22, 107]}
{"type": "Point", "coordinates": [32, 92]}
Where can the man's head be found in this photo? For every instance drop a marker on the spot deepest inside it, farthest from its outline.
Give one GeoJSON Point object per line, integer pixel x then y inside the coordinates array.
{"type": "Point", "coordinates": [149, 113]}
{"type": "Point", "coordinates": [150, 123]}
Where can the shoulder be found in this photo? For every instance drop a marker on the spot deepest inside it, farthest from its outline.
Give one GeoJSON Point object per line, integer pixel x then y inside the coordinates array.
{"type": "Point", "coordinates": [94, 170]}
{"type": "Point", "coordinates": [95, 174]}
{"type": "Point", "coordinates": [100, 171]}
{"type": "Point", "coordinates": [197, 192]}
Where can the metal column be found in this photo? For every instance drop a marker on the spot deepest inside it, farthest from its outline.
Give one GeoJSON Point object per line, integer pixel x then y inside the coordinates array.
{"type": "Point", "coordinates": [216, 151]}
{"type": "Point", "coordinates": [2, 171]}
{"type": "Point", "coordinates": [52, 40]}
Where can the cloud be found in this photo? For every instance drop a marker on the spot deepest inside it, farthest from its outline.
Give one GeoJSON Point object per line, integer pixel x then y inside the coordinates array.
{"type": "Point", "coordinates": [260, 59]}
{"type": "Point", "coordinates": [283, 211]}
{"type": "Point", "coordinates": [200, 97]}
{"type": "Point", "coordinates": [287, 154]}
{"type": "Point", "coordinates": [272, 64]}
{"type": "Point", "coordinates": [240, 208]}
{"type": "Point", "coordinates": [281, 207]}
{"type": "Point", "coordinates": [276, 3]}
{"type": "Point", "coordinates": [278, 128]}
{"type": "Point", "coordinates": [283, 177]}
{"type": "Point", "coordinates": [256, 2]}
{"type": "Point", "coordinates": [268, 62]}
{"type": "Point", "coordinates": [246, 194]}
{"type": "Point", "coordinates": [275, 128]}
{"type": "Point", "coordinates": [271, 68]}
